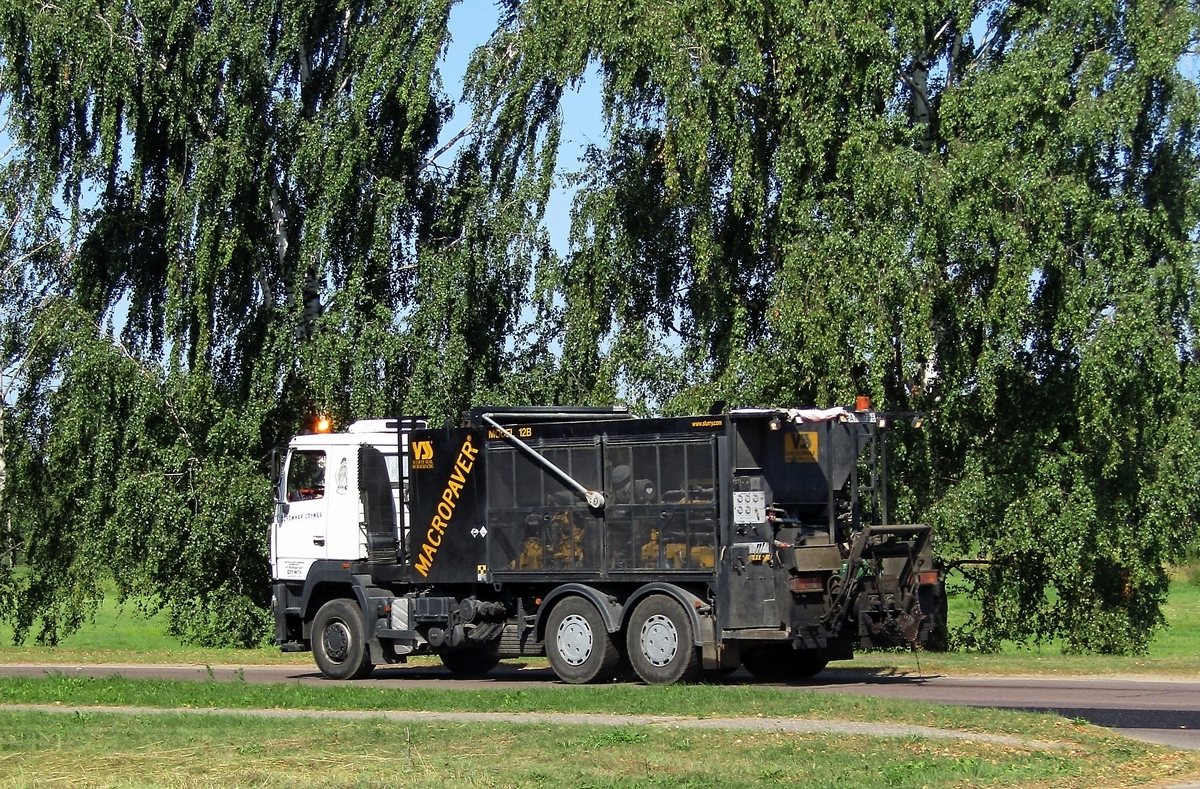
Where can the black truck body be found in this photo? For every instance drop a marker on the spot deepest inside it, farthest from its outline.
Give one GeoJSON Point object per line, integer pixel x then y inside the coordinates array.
{"type": "Point", "coordinates": [665, 546]}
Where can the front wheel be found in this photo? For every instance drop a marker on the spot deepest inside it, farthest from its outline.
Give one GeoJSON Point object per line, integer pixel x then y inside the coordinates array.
{"type": "Point", "coordinates": [660, 642]}
{"type": "Point", "coordinates": [578, 645]}
{"type": "Point", "coordinates": [338, 641]}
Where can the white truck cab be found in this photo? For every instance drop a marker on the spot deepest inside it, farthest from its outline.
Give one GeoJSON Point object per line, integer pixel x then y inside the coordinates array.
{"type": "Point", "coordinates": [318, 509]}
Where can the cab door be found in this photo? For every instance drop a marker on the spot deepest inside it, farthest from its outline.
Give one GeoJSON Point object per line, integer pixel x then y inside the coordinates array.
{"type": "Point", "coordinates": [301, 514]}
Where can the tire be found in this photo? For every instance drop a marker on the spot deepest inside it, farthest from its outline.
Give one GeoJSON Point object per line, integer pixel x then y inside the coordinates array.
{"type": "Point", "coordinates": [660, 642]}
{"type": "Point", "coordinates": [781, 663]}
{"type": "Point", "coordinates": [338, 641]}
{"type": "Point", "coordinates": [717, 676]}
{"type": "Point", "coordinates": [578, 645]}
{"type": "Point", "coordinates": [807, 665]}
{"type": "Point", "coordinates": [939, 631]}
{"type": "Point", "coordinates": [471, 661]}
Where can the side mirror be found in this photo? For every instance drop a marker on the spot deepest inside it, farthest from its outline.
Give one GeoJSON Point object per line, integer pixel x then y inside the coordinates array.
{"type": "Point", "coordinates": [277, 456]}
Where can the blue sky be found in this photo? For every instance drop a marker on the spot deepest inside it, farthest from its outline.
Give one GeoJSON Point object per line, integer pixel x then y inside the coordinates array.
{"type": "Point", "coordinates": [472, 22]}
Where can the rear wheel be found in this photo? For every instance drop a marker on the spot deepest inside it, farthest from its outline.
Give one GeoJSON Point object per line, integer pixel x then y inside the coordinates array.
{"type": "Point", "coordinates": [808, 665]}
{"type": "Point", "coordinates": [781, 663]}
{"type": "Point", "coordinates": [578, 645]}
{"type": "Point", "coordinates": [338, 641]}
{"type": "Point", "coordinates": [660, 642]}
{"type": "Point", "coordinates": [716, 676]}
{"type": "Point", "coordinates": [939, 631]}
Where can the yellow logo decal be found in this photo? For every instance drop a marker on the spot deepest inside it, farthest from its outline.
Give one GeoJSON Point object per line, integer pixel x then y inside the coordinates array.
{"type": "Point", "coordinates": [444, 512]}
{"type": "Point", "coordinates": [800, 447]}
{"type": "Point", "coordinates": [422, 454]}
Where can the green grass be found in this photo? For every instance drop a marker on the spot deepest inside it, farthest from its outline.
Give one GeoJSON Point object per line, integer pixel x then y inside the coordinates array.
{"type": "Point", "coordinates": [698, 701]}
{"type": "Point", "coordinates": [188, 750]}
{"type": "Point", "coordinates": [171, 749]}
{"type": "Point", "coordinates": [178, 749]}
{"type": "Point", "coordinates": [121, 634]}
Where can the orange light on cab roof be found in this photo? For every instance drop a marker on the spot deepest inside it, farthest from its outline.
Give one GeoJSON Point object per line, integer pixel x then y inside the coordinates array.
{"type": "Point", "coordinates": [323, 424]}
{"type": "Point", "coordinates": [862, 403]}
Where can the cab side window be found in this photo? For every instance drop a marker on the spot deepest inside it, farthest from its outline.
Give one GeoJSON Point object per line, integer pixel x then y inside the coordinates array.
{"type": "Point", "coordinates": [306, 476]}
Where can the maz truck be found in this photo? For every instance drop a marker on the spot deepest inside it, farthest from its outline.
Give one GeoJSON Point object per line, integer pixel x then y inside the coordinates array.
{"type": "Point", "coordinates": [613, 545]}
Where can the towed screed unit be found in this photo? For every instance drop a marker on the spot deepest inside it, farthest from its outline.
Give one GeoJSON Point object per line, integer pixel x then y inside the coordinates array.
{"type": "Point", "coordinates": [757, 537]}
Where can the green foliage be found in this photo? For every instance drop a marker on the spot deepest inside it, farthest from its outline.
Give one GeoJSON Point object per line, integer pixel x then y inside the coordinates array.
{"type": "Point", "coordinates": [138, 479]}
{"type": "Point", "coordinates": [1078, 404]}
{"type": "Point", "coordinates": [1191, 564]}
{"type": "Point", "coordinates": [234, 216]}
{"type": "Point", "coordinates": [222, 616]}
{"type": "Point", "coordinates": [240, 188]}
{"type": "Point", "coordinates": [801, 202]}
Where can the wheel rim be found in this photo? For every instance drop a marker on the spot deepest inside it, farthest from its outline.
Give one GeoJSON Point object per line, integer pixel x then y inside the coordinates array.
{"type": "Point", "coordinates": [659, 640]}
{"type": "Point", "coordinates": [574, 640]}
{"type": "Point", "coordinates": [337, 641]}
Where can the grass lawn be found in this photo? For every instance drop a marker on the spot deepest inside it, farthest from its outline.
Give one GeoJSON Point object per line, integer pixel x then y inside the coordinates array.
{"type": "Point", "coordinates": [181, 749]}
{"type": "Point", "coordinates": [227, 749]}
{"type": "Point", "coordinates": [122, 634]}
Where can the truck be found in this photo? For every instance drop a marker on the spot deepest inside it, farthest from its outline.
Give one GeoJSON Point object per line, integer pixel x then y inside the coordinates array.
{"type": "Point", "coordinates": [662, 548]}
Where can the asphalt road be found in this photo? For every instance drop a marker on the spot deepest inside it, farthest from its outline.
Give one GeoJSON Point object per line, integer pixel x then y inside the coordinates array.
{"type": "Point", "coordinates": [1166, 711]}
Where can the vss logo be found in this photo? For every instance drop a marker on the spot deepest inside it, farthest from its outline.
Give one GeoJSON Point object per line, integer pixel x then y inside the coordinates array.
{"type": "Point", "coordinates": [422, 454]}
{"type": "Point", "coordinates": [800, 447]}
